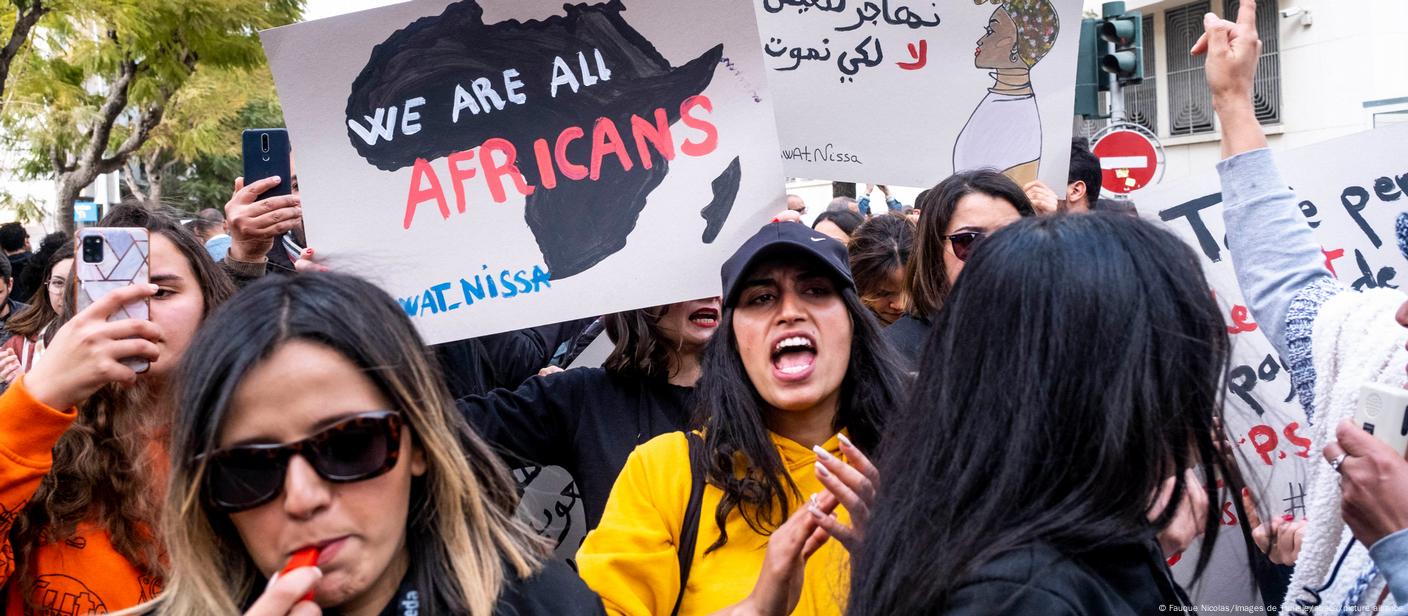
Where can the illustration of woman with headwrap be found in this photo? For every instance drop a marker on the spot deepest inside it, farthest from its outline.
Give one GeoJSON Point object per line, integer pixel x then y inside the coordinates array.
{"type": "Point", "coordinates": [1004, 132]}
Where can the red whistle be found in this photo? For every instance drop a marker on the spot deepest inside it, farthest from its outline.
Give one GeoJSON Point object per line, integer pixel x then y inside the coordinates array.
{"type": "Point", "coordinates": [306, 557]}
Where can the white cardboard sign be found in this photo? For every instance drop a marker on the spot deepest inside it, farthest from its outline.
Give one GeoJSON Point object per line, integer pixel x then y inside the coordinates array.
{"type": "Point", "coordinates": [908, 91]}
{"type": "Point", "coordinates": [500, 164]}
{"type": "Point", "coordinates": [1350, 190]}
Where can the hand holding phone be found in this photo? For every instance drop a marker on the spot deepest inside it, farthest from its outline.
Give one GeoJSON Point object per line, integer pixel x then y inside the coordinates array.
{"type": "Point", "coordinates": [1383, 412]}
{"type": "Point", "coordinates": [110, 259]}
{"type": "Point", "coordinates": [263, 207]}
{"type": "Point", "coordinates": [89, 351]}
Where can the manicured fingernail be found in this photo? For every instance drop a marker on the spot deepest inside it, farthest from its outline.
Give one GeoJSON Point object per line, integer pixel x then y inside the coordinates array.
{"type": "Point", "coordinates": [777, 220]}
{"type": "Point", "coordinates": [153, 288]}
{"type": "Point", "coordinates": [821, 470]}
{"type": "Point", "coordinates": [1288, 517]}
{"type": "Point", "coordinates": [1246, 492]}
{"type": "Point", "coordinates": [816, 513]}
{"type": "Point", "coordinates": [815, 499]}
{"type": "Point", "coordinates": [845, 441]}
{"type": "Point", "coordinates": [821, 453]}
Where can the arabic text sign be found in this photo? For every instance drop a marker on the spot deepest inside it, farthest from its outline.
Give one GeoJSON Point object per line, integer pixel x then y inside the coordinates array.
{"type": "Point", "coordinates": [908, 91]}
{"type": "Point", "coordinates": [1350, 192]}
{"type": "Point", "coordinates": [507, 163]}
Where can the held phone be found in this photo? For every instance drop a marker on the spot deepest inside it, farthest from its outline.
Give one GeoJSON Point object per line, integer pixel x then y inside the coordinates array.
{"type": "Point", "coordinates": [1383, 412]}
{"type": "Point", "coordinates": [110, 258]}
{"type": "Point", "coordinates": [266, 154]}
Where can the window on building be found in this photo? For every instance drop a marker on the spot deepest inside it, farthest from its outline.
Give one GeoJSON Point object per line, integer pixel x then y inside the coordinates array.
{"type": "Point", "coordinates": [1266, 97]}
{"type": "Point", "coordinates": [1141, 102]}
{"type": "Point", "coordinates": [1189, 101]}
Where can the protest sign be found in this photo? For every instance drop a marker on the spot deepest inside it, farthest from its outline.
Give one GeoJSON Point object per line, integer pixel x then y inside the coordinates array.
{"type": "Point", "coordinates": [502, 164]}
{"type": "Point", "coordinates": [894, 91]}
{"type": "Point", "coordinates": [1350, 191]}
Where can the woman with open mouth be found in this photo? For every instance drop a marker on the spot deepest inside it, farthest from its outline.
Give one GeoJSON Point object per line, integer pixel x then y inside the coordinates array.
{"type": "Point", "coordinates": [587, 420]}
{"type": "Point", "coordinates": [795, 389]}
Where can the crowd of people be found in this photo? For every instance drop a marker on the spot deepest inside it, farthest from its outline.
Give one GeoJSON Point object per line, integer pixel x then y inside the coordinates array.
{"type": "Point", "coordinates": [1003, 399]}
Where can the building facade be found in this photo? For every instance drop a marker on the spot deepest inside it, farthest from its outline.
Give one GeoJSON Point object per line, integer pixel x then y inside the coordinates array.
{"type": "Point", "coordinates": [1328, 68]}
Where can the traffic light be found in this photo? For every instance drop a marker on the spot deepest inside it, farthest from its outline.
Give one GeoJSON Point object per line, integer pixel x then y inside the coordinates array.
{"type": "Point", "coordinates": [1090, 80]}
{"type": "Point", "coordinates": [1126, 31]}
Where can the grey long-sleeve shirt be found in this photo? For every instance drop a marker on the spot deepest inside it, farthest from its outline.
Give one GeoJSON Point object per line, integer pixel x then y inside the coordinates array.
{"type": "Point", "coordinates": [1278, 262]}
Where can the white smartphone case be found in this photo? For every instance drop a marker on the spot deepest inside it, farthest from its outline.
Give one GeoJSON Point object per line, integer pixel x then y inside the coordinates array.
{"type": "Point", "coordinates": [124, 263]}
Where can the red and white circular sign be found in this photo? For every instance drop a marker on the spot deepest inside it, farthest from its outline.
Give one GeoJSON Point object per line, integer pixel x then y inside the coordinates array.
{"type": "Point", "coordinates": [1128, 161]}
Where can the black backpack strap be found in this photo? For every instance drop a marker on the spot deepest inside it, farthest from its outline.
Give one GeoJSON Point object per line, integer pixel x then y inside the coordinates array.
{"type": "Point", "coordinates": [689, 533]}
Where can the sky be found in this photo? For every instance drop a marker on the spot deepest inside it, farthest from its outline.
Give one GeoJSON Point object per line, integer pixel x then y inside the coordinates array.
{"type": "Point", "coordinates": [318, 9]}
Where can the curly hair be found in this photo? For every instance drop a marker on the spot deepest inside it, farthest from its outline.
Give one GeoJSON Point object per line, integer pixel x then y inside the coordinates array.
{"type": "Point", "coordinates": [1038, 25]}
{"type": "Point", "coordinates": [103, 465]}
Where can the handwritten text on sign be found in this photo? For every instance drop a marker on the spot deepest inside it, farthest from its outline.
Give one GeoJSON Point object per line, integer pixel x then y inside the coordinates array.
{"type": "Point", "coordinates": [1350, 191]}
{"type": "Point", "coordinates": [501, 162]}
{"type": "Point", "coordinates": [908, 91]}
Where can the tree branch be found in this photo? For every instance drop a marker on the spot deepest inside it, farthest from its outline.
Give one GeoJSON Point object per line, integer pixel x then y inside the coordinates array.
{"type": "Point", "coordinates": [108, 114]}
{"type": "Point", "coordinates": [25, 19]}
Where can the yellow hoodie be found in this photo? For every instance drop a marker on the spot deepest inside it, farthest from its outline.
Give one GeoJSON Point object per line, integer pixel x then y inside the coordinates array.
{"type": "Point", "coordinates": [631, 561]}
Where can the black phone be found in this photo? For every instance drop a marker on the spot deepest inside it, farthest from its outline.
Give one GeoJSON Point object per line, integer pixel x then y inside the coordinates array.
{"type": "Point", "coordinates": [266, 154]}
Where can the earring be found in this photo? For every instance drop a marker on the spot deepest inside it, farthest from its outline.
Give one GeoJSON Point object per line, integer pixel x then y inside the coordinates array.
{"type": "Point", "coordinates": [1014, 55]}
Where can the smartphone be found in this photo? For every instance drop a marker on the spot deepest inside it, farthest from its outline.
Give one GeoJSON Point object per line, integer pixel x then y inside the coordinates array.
{"type": "Point", "coordinates": [1383, 412]}
{"type": "Point", "coordinates": [266, 155]}
{"type": "Point", "coordinates": [111, 258]}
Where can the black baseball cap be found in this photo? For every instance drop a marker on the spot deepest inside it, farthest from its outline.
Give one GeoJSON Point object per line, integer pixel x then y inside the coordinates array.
{"type": "Point", "coordinates": [783, 238]}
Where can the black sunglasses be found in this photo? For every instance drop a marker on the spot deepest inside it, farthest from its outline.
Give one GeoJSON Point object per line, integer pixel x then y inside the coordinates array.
{"type": "Point", "coordinates": [964, 243]}
{"type": "Point", "coordinates": [357, 448]}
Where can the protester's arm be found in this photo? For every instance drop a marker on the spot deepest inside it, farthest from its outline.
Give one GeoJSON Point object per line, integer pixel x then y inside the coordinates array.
{"type": "Point", "coordinates": [29, 429]}
{"type": "Point", "coordinates": [512, 357]}
{"type": "Point", "coordinates": [255, 225]}
{"type": "Point", "coordinates": [533, 423]}
{"type": "Point", "coordinates": [630, 558]}
{"type": "Point", "coordinates": [85, 355]}
{"type": "Point", "coordinates": [1374, 489]}
{"type": "Point", "coordinates": [1273, 251]}
{"type": "Point", "coordinates": [863, 204]}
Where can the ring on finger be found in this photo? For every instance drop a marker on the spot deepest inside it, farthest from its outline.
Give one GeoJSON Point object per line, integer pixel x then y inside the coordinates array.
{"type": "Point", "coordinates": [1337, 461]}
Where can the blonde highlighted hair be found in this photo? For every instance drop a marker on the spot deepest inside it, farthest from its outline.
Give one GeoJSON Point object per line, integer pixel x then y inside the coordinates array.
{"type": "Point", "coordinates": [463, 538]}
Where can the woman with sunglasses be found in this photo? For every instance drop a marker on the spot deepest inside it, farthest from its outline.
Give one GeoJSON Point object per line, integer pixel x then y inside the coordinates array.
{"type": "Point", "coordinates": [1020, 479]}
{"type": "Point", "coordinates": [84, 436]}
{"type": "Point", "coordinates": [30, 328]}
{"type": "Point", "coordinates": [796, 386]}
{"type": "Point", "coordinates": [958, 214]}
{"type": "Point", "coordinates": [326, 428]}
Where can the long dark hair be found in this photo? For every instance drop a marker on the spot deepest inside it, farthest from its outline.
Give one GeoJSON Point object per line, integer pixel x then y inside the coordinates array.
{"type": "Point", "coordinates": [926, 279]}
{"type": "Point", "coordinates": [741, 459]}
{"type": "Point", "coordinates": [640, 351]}
{"type": "Point", "coordinates": [30, 321]}
{"type": "Point", "coordinates": [461, 532]}
{"type": "Point", "coordinates": [102, 469]}
{"type": "Point", "coordinates": [1076, 365]}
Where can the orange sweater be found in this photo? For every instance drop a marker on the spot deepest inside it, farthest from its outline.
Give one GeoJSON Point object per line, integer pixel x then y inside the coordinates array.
{"type": "Point", "coordinates": [81, 575]}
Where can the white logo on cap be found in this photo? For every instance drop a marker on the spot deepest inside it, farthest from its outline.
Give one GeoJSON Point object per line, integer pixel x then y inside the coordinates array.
{"type": "Point", "coordinates": [818, 239]}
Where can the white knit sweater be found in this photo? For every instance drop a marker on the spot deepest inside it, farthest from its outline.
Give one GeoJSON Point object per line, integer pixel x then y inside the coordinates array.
{"type": "Point", "coordinates": [1356, 341]}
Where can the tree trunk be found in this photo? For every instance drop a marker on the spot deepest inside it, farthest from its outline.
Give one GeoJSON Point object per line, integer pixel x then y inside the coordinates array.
{"type": "Point", "coordinates": [66, 192]}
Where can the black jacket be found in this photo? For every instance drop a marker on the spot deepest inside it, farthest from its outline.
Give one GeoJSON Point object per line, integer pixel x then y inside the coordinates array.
{"type": "Point", "coordinates": [584, 420]}
{"type": "Point", "coordinates": [480, 365]}
{"type": "Point", "coordinates": [909, 334]}
{"type": "Point", "coordinates": [1130, 579]}
{"type": "Point", "coordinates": [554, 591]}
